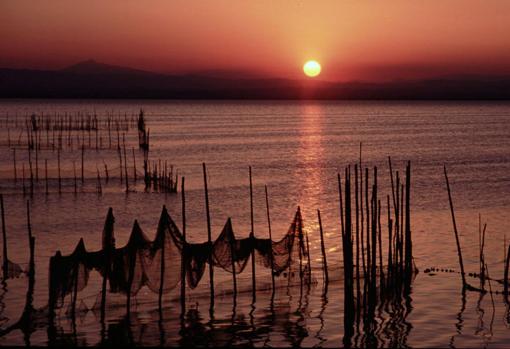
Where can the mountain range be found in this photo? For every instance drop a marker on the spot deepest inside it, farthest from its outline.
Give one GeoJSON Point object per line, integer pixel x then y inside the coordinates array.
{"type": "Point", "coordinates": [90, 79]}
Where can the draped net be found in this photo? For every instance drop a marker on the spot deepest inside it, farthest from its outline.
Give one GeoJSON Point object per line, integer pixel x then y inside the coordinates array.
{"type": "Point", "coordinates": [158, 264]}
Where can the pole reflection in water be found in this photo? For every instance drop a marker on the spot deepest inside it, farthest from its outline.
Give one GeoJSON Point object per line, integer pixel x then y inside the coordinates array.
{"type": "Point", "coordinates": [283, 317]}
{"type": "Point", "coordinates": [460, 321]}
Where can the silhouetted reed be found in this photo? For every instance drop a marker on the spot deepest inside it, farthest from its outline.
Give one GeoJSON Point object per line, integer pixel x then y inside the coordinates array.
{"type": "Point", "coordinates": [483, 274]}
{"type": "Point", "coordinates": [375, 282]}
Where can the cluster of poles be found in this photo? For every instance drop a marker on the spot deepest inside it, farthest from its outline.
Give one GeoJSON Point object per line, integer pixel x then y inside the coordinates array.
{"type": "Point", "coordinates": [160, 176]}
{"type": "Point", "coordinates": [361, 232]}
{"type": "Point", "coordinates": [67, 131]}
{"type": "Point", "coordinates": [30, 175]}
{"type": "Point", "coordinates": [369, 276]}
{"type": "Point", "coordinates": [304, 266]}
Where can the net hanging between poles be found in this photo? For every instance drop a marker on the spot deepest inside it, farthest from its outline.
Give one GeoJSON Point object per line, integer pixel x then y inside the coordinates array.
{"type": "Point", "coordinates": [142, 262]}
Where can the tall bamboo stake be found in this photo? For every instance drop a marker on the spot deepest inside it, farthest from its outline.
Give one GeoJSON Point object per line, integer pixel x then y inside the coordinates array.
{"type": "Point", "coordinates": [107, 177]}
{"type": "Point", "coordinates": [184, 249]}
{"type": "Point", "coordinates": [374, 237]}
{"type": "Point", "coordinates": [390, 241]}
{"type": "Point", "coordinates": [402, 242]}
{"type": "Point", "coordinates": [323, 249]}
{"type": "Point", "coordinates": [209, 240]}
{"type": "Point", "coordinates": [381, 269]}
{"type": "Point", "coordinates": [252, 237]}
{"type": "Point", "coordinates": [361, 214]}
{"type": "Point", "coordinates": [459, 251]}
{"type": "Point", "coordinates": [308, 261]}
{"type": "Point", "coordinates": [108, 248]}
{"type": "Point", "coordinates": [348, 261]}
{"type": "Point", "coordinates": [31, 272]}
{"type": "Point", "coordinates": [369, 261]}
{"type": "Point", "coordinates": [408, 240]}
{"type": "Point", "coordinates": [398, 241]}
{"type": "Point", "coordinates": [233, 261]}
{"type": "Point", "coordinates": [356, 195]}
{"type": "Point", "coordinates": [99, 188]}
{"type": "Point", "coordinates": [270, 238]}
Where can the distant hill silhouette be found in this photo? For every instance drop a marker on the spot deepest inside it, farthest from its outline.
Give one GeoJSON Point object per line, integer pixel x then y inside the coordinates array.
{"type": "Point", "coordinates": [90, 79]}
{"type": "Point", "coordinates": [94, 68]}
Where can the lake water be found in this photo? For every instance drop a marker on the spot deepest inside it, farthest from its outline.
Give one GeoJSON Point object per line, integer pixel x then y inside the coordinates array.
{"type": "Point", "coordinates": [296, 148]}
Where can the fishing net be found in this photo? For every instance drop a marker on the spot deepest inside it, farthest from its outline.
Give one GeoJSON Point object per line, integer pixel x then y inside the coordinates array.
{"type": "Point", "coordinates": [14, 270]}
{"type": "Point", "coordinates": [158, 264]}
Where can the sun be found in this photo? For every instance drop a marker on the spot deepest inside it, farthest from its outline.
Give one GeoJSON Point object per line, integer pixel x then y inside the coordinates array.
{"type": "Point", "coordinates": [312, 68]}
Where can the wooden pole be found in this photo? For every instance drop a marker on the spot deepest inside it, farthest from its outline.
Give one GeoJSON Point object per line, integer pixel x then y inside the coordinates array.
{"type": "Point", "coordinates": [106, 172]}
{"type": "Point", "coordinates": [107, 248]}
{"type": "Point", "coordinates": [252, 237]}
{"type": "Point", "coordinates": [31, 272]}
{"type": "Point", "coordinates": [408, 239]}
{"type": "Point", "coordinates": [369, 259]}
{"type": "Point", "coordinates": [270, 238]}
{"type": "Point", "coordinates": [323, 249]}
{"type": "Point", "coordinates": [74, 295]}
{"type": "Point", "coordinates": [397, 226]}
{"type": "Point", "coordinates": [379, 237]}
{"type": "Point", "coordinates": [341, 204]}
{"type": "Point", "coordinates": [209, 240]}
{"type": "Point", "coordinates": [347, 260]}
{"type": "Point", "coordinates": [233, 261]}
{"type": "Point", "coordinates": [374, 237]}
{"type": "Point", "coordinates": [308, 260]}
{"type": "Point", "coordinates": [99, 188]}
{"type": "Point", "coordinates": [5, 264]}
{"type": "Point", "coordinates": [402, 242]}
{"type": "Point", "coordinates": [390, 241]}
{"type": "Point", "coordinates": [184, 251]}
{"type": "Point", "coordinates": [459, 251]}
{"type": "Point", "coordinates": [356, 197]}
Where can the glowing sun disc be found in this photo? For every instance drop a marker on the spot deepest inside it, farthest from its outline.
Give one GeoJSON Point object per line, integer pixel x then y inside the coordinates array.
{"type": "Point", "coordinates": [312, 68]}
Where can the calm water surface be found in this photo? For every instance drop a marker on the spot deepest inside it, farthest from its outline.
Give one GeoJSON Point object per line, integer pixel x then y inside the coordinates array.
{"type": "Point", "coordinates": [296, 149]}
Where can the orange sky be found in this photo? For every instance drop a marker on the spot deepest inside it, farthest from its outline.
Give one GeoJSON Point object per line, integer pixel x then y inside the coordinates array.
{"type": "Point", "coordinates": [366, 40]}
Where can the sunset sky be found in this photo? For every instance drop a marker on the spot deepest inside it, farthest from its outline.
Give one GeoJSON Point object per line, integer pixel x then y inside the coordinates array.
{"type": "Point", "coordinates": [353, 40]}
